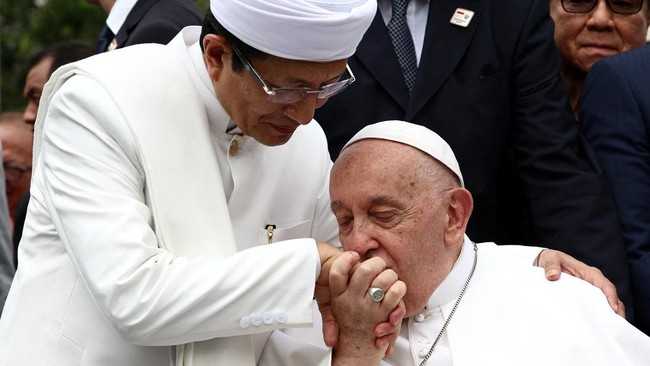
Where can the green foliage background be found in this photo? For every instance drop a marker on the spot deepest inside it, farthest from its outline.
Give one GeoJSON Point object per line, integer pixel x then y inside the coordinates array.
{"type": "Point", "coordinates": [27, 26]}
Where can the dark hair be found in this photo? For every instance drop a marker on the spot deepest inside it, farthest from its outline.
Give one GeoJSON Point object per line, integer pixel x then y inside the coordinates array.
{"type": "Point", "coordinates": [61, 54]}
{"type": "Point", "coordinates": [212, 26]}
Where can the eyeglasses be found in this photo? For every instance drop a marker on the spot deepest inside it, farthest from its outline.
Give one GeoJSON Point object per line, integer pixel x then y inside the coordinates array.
{"type": "Point", "coordinates": [293, 95]}
{"type": "Point", "coordinates": [625, 7]}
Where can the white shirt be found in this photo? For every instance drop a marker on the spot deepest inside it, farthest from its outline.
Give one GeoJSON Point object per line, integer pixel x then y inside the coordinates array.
{"type": "Point", "coordinates": [119, 12]}
{"type": "Point", "coordinates": [419, 332]}
{"type": "Point", "coordinates": [417, 14]}
{"type": "Point", "coordinates": [511, 315]}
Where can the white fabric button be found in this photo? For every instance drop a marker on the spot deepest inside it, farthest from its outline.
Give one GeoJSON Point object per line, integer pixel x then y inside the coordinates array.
{"type": "Point", "coordinates": [420, 318]}
{"type": "Point", "coordinates": [268, 318]}
{"type": "Point", "coordinates": [256, 319]}
{"type": "Point", "coordinates": [281, 318]}
{"type": "Point", "coordinates": [244, 322]}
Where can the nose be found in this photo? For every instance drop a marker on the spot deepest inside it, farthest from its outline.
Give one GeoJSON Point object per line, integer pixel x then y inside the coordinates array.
{"type": "Point", "coordinates": [303, 110]}
{"type": "Point", "coordinates": [601, 18]}
{"type": "Point", "coordinates": [29, 115]}
{"type": "Point", "coordinates": [360, 240]}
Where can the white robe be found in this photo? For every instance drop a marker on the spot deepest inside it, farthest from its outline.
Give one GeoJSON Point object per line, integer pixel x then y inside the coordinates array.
{"type": "Point", "coordinates": [95, 287]}
{"type": "Point", "coordinates": [511, 315]}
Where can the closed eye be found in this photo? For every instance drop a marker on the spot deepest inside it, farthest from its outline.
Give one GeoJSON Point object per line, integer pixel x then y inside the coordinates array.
{"type": "Point", "coordinates": [385, 218]}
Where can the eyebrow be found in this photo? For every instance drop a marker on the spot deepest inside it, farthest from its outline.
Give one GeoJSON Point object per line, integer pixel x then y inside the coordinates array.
{"type": "Point", "coordinates": [385, 201]}
{"type": "Point", "coordinates": [305, 82]}
{"type": "Point", "coordinates": [380, 200]}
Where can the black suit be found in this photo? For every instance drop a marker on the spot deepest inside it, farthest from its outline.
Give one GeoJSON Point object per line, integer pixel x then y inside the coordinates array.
{"type": "Point", "coordinates": [157, 21]}
{"type": "Point", "coordinates": [615, 110]}
{"type": "Point", "coordinates": [493, 91]}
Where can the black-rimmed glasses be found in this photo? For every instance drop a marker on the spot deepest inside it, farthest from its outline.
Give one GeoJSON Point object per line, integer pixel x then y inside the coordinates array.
{"type": "Point", "coordinates": [625, 7]}
{"type": "Point", "coordinates": [293, 95]}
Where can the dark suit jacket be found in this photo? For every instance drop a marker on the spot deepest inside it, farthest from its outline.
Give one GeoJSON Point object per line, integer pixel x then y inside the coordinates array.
{"type": "Point", "coordinates": [615, 111]}
{"type": "Point", "coordinates": [157, 21]}
{"type": "Point", "coordinates": [493, 91]}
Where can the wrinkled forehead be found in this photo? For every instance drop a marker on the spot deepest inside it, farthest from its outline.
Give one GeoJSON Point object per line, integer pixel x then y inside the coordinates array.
{"type": "Point", "coordinates": [377, 165]}
{"type": "Point", "coordinates": [377, 154]}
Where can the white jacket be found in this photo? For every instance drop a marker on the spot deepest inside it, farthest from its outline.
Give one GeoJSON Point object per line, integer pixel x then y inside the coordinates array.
{"type": "Point", "coordinates": [95, 285]}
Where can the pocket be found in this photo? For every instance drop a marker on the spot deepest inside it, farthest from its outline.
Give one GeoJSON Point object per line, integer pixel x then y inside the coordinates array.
{"type": "Point", "coordinates": [294, 230]}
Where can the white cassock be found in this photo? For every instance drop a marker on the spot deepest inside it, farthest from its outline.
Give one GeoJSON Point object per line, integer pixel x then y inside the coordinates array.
{"type": "Point", "coordinates": [95, 286]}
{"type": "Point", "coordinates": [511, 315]}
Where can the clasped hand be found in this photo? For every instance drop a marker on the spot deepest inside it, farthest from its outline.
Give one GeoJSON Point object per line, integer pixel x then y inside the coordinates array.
{"type": "Point", "coordinates": [360, 330]}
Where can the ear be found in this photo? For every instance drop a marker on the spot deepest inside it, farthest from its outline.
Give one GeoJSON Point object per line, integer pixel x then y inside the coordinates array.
{"type": "Point", "coordinates": [216, 55]}
{"type": "Point", "coordinates": [459, 210]}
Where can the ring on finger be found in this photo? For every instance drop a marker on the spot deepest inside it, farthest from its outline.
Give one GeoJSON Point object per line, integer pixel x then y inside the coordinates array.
{"type": "Point", "coordinates": [376, 294]}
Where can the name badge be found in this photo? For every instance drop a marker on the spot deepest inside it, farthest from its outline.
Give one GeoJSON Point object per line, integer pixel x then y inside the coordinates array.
{"type": "Point", "coordinates": [462, 17]}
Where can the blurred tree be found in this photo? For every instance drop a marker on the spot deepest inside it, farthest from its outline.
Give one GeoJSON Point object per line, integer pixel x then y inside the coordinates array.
{"type": "Point", "coordinates": [27, 26]}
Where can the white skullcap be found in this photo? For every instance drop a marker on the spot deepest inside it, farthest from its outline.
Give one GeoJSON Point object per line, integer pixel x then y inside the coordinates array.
{"type": "Point", "coordinates": [413, 135]}
{"type": "Point", "coordinates": [309, 30]}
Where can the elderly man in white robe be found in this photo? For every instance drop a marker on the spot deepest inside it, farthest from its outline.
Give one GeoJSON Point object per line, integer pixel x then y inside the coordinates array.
{"type": "Point", "coordinates": [398, 196]}
{"type": "Point", "coordinates": [180, 202]}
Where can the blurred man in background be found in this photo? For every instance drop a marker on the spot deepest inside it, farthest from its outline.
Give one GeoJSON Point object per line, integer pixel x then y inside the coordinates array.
{"type": "Point", "coordinates": [41, 66]}
{"type": "Point", "coordinates": [589, 30]}
{"type": "Point", "coordinates": [144, 21]}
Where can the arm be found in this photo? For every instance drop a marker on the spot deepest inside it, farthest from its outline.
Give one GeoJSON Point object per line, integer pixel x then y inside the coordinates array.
{"type": "Point", "coordinates": [90, 179]}
{"type": "Point", "coordinates": [614, 124]}
{"type": "Point", "coordinates": [570, 207]}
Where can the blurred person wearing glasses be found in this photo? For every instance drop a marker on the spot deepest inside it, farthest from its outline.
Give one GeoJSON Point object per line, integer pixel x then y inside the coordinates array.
{"type": "Point", "coordinates": [587, 31]}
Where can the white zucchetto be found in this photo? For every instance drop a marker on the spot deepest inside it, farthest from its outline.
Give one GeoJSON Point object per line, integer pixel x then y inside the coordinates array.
{"type": "Point", "coordinates": [413, 135]}
{"type": "Point", "coordinates": [308, 30]}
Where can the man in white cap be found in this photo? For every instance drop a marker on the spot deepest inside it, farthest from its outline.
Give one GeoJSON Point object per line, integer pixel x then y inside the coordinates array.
{"type": "Point", "coordinates": [168, 183]}
{"type": "Point", "coordinates": [159, 181]}
{"type": "Point", "coordinates": [399, 199]}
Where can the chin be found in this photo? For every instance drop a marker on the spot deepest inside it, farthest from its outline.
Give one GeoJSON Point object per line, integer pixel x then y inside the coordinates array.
{"type": "Point", "coordinates": [274, 140]}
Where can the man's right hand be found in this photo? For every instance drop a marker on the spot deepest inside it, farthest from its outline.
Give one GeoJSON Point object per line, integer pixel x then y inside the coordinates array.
{"type": "Point", "coordinates": [356, 314]}
{"type": "Point", "coordinates": [328, 254]}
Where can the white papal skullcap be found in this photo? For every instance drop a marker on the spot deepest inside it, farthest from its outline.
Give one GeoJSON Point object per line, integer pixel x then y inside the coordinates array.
{"type": "Point", "coordinates": [309, 30]}
{"type": "Point", "coordinates": [413, 135]}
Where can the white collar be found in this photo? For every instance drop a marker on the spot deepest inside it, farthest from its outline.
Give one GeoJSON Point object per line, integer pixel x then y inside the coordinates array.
{"type": "Point", "coordinates": [119, 12]}
{"type": "Point", "coordinates": [451, 286]}
{"type": "Point", "coordinates": [216, 113]}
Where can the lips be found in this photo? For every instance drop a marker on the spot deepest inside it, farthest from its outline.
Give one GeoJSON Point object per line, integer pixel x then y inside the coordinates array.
{"type": "Point", "coordinates": [600, 46]}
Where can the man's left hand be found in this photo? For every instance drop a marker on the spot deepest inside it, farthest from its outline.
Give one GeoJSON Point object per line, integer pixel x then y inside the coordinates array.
{"type": "Point", "coordinates": [555, 262]}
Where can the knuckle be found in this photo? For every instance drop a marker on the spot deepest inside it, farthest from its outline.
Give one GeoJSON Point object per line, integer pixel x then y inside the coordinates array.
{"type": "Point", "coordinates": [364, 270]}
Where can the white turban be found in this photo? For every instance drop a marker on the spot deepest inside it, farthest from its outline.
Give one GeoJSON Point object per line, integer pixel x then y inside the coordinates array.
{"type": "Point", "coordinates": [309, 30]}
{"type": "Point", "coordinates": [413, 135]}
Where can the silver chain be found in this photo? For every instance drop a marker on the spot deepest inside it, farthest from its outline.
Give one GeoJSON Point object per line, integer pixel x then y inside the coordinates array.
{"type": "Point", "coordinates": [453, 310]}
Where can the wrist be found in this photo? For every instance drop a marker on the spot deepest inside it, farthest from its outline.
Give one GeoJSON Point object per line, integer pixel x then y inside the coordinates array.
{"type": "Point", "coordinates": [341, 359]}
{"type": "Point", "coordinates": [357, 352]}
